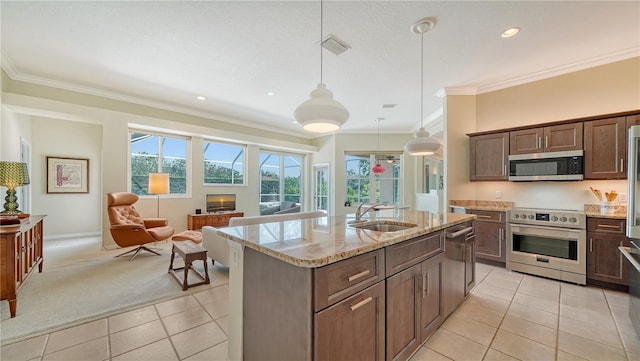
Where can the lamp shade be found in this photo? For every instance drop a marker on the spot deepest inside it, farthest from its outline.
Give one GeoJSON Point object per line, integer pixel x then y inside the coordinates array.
{"type": "Point", "coordinates": [378, 168]}
{"type": "Point", "coordinates": [321, 113]}
{"type": "Point", "coordinates": [13, 174]}
{"type": "Point", "coordinates": [158, 183]}
{"type": "Point", "coordinates": [422, 144]}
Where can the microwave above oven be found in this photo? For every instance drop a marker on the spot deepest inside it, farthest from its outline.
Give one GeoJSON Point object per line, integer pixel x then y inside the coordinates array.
{"type": "Point", "coordinates": [551, 166]}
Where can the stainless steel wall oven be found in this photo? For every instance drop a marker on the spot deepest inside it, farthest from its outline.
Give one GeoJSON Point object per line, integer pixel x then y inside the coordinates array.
{"type": "Point", "coordinates": [548, 243]}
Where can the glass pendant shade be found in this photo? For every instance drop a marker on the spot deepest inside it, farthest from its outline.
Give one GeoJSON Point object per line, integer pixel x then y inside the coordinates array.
{"type": "Point", "coordinates": [422, 144]}
{"type": "Point", "coordinates": [321, 113]}
{"type": "Point", "coordinates": [378, 168]}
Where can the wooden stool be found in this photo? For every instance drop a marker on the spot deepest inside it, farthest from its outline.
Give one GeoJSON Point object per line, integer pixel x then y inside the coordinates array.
{"type": "Point", "coordinates": [189, 252]}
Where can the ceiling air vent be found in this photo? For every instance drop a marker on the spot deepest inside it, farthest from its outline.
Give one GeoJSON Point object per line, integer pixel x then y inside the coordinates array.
{"type": "Point", "coordinates": [334, 45]}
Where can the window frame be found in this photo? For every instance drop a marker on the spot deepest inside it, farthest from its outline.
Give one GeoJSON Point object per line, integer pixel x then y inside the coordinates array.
{"type": "Point", "coordinates": [281, 187]}
{"type": "Point", "coordinates": [375, 179]}
{"type": "Point", "coordinates": [244, 165]}
{"type": "Point", "coordinates": [161, 135]}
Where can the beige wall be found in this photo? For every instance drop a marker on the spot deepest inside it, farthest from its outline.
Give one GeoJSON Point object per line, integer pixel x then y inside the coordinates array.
{"type": "Point", "coordinates": [604, 89]}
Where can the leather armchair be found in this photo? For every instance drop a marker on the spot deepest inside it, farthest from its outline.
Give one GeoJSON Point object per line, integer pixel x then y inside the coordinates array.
{"type": "Point", "coordinates": [128, 228]}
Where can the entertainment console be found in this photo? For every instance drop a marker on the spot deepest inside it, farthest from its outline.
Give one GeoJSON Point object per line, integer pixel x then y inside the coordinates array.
{"type": "Point", "coordinates": [21, 255]}
{"type": "Point", "coordinates": [197, 221]}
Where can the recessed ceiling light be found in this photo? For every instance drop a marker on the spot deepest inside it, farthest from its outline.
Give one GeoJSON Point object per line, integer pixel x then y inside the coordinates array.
{"type": "Point", "coordinates": [271, 94]}
{"type": "Point", "coordinates": [509, 32]}
{"type": "Point", "coordinates": [200, 97]}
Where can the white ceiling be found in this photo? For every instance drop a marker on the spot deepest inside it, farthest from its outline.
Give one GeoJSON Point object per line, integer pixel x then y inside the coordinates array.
{"type": "Point", "coordinates": [235, 52]}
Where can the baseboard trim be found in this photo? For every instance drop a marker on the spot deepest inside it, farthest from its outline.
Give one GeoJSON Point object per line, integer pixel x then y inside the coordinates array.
{"type": "Point", "coordinates": [71, 235]}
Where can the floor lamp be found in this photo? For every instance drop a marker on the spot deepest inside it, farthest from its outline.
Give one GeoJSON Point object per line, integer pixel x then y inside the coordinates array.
{"type": "Point", "coordinates": [158, 184]}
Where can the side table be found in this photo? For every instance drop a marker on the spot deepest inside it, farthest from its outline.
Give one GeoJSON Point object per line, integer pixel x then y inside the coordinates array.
{"type": "Point", "coordinates": [189, 252]}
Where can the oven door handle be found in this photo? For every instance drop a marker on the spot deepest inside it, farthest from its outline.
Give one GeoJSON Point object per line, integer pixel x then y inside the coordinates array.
{"type": "Point", "coordinates": [629, 257]}
{"type": "Point", "coordinates": [527, 229]}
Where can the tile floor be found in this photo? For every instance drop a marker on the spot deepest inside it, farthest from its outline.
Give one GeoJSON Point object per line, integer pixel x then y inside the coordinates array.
{"type": "Point", "coordinates": [508, 316]}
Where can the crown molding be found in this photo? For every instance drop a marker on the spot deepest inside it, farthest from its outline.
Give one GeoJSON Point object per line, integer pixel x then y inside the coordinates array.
{"type": "Point", "coordinates": [545, 74]}
{"type": "Point", "coordinates": [14, 74]}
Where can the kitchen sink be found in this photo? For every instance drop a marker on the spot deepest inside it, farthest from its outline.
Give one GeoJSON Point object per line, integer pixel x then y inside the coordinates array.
{"type": "Point", "coordinates": [384, 226]}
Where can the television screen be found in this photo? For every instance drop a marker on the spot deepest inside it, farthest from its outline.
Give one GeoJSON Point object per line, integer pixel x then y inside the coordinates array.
{"type": "Point", "coordinates": [221, 202]}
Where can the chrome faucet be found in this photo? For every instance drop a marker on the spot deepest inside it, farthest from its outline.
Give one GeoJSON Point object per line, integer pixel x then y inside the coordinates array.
{"type": "Point", "coordinates": [360, 212]}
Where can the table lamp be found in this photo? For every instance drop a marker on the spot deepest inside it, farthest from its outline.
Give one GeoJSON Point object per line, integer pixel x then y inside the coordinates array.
{"type": "Point", "coordinates": [158, 184]}
{"type": "Point", "coordinates": [12, 175]}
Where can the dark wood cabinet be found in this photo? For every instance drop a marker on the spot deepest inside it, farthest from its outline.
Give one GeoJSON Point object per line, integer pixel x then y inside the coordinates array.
{"type": "Point", "coordinates": [554, 138]}
{"type": "Point", "coordinates": [403, 313]}
{"type": "Point", "coordinates": [414, 307]}
{"type": "Point", "coordinates": [605, 149]}
{"type": "Point", "coordinates": [490, 233]}
{"type": "Point", "coordinates": [525, 141]}
{"type": "Point", "coordinates": [20, 255]}
{"type": "Point", "coordinates": [489, 157]}
{"type": "Point", "coordinates": [605, 263]}
{"type": "Point", "coordinates": [360, 336]}
{"type": "Point", "coordinates": [197, 221]}
{"type": "Point", "coordinates": [380, 305]}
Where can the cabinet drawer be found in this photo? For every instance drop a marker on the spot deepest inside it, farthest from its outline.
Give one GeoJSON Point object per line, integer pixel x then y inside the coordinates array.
{"type": "Point", "coordinates": [336, 281]}
{"type": "Point", "coordinates": [403, 255]}
{"type": "Point", "coordinates": [606, 225]}
{"type": "Point", "coordinates": [492, 216]}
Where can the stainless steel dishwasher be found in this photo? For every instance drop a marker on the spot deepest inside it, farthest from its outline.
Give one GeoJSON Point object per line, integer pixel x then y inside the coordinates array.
{"type": "Point", "coordinates": [454, 284]}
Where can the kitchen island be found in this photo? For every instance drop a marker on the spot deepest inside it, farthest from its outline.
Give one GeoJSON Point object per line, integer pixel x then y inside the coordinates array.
{"type": "Point", "coordinates": [321, 288]}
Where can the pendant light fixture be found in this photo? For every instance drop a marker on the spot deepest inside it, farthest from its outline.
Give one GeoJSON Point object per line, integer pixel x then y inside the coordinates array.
{"type": "Point", "coordinates": [321, 113]}
{"type": "Point", "coordinates": [422, 143]}
{"type": "Point", "coordinates": [378, 168]}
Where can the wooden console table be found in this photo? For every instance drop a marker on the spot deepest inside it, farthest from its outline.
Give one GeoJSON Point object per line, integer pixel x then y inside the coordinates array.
{"type": "Point", "coordinates": [20, 253]}
{"type": "Point", "coordinates": [197, 221]}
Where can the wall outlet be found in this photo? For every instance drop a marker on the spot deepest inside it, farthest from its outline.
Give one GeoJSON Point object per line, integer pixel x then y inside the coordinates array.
{"type": "Point", "coordinates": [498, 194]}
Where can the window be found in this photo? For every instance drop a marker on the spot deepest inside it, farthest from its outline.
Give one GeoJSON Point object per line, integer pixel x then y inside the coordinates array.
{"type": "Point", "coordinates": [280, 179]}
{"type": "Point", "coordinates": [155, 153]}
{"type": "Point", "coordinates": [223, 163]}
{"type": "Point", "coordinates": [365, 186]}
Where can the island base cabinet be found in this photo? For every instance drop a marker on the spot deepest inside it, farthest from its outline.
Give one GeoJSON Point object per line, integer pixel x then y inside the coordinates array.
{"type": "Point", "coordinates": [277, 309]}
{"type": "Point", "coordinates": [414, 310]}
{"type": "Point", "coordinates": [352, 329]}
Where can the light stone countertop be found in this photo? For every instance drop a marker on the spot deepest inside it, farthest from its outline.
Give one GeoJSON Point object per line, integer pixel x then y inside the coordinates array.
{"type": "Point", "coordinates": [593, 211]}
{"type": "Point", "coordinates": [316, 242]}
{"type": "Point", "coordinates": [483, 205]}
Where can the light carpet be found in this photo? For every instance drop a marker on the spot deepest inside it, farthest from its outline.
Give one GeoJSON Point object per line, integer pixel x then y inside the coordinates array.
{"type": "Point", "coordinates": [69, 294]}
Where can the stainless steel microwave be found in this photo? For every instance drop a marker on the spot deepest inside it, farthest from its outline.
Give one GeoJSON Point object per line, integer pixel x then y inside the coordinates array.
{"type": "Point", "coordinates": [551, 166]}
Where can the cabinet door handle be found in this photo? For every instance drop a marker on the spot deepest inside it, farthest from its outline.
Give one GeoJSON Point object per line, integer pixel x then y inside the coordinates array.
{"type": "Point", "coordinates": [608, 226]}
{"type": "Point", "coordinates": [539, 145]}
{"type": "Point", "coordinates": [482, 216]}
{"type": "Point", "coordinates": [546, 141]}
{"type": "Point", "coordinates": [425, 285]}
{"type": "Point", "coordinates": [361, 303]}
{"type": "Point", "coordinates": [506, 172]}
{"type": "Point", "coordinates": [590, 244]}
{"type": "Point", "coordinates": [621, 165]}
{"type": "Point", "coordinates": [358, 275]}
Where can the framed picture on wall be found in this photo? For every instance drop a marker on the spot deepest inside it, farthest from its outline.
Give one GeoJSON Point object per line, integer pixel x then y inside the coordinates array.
{"type": "Point", "coordinates": [67, 175]}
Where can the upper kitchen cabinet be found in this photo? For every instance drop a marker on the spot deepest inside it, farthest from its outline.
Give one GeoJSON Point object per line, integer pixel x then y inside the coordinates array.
{"type": "Point", "coordinates": [633, 120]}
{"type": "Point", "coordinates": [554, 138]}
{"type": "Point", "coordinates": [605, 144]}
{"type": "Point", "coordinates": [489, 157]}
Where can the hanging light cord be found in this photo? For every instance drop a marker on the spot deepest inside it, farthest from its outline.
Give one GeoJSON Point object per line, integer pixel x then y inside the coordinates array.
{"type": "Point", "coordinates": [378, 120]}
{"type": "Point", "coordinates": [321, 32]}
{"type": "Point", "coordinates": [421, 80]}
